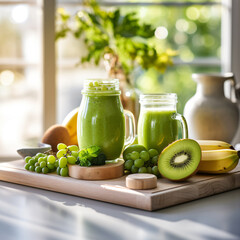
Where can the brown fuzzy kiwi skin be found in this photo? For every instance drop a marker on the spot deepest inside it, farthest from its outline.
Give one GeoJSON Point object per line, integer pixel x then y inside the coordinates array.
{"type": "Point", "coordinates": [182, 179]}
{"type": "Point", "coordinates": [56, 134]}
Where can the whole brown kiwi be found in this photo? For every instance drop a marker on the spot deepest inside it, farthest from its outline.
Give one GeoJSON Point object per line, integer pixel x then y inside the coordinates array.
{"type": "Point", "coordinates": [56, 134]}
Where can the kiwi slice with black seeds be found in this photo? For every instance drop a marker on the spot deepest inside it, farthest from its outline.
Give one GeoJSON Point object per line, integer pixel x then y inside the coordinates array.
{"type": "Point", "coordinates": [179, 160]}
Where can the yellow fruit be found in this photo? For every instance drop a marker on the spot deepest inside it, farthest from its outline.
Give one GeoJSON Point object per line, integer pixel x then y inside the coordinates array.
{"type": "Point", "coordinates": [218, 161]}
{"type": "Point", "coordinates": [213, 145]}
{"type": "Point", "coordinates": [70, 122]}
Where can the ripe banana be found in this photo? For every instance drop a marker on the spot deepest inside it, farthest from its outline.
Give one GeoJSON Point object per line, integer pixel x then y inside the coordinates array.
{"type": "Point", "coordinates": [213, 145]}
{"type": "Point", "coordinates": [218, 161]}
{"type": "Point", "coordinates": [70, 122]}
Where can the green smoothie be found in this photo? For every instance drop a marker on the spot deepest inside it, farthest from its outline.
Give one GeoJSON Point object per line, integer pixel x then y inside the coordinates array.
{"type": "Point", "coordinates": [101, 122]}
{"type": "Point", "coordinates": [157, 128]}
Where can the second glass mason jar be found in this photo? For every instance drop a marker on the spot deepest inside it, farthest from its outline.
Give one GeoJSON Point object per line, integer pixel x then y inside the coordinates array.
{"type": "Point", "coordinates": [101, 119]}
{"type": "Point", "coordinates": [157, 124]}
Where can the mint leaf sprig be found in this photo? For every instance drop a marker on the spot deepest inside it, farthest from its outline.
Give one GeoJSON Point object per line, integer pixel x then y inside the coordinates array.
{"type": "Point", "coordinates": [91, 156]}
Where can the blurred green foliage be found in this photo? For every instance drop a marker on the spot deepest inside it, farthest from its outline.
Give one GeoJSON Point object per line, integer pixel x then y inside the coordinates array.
{"type": "Point", "coordinates": [111, 34]}
{"type": "Point", "coordinates": [194, 31]}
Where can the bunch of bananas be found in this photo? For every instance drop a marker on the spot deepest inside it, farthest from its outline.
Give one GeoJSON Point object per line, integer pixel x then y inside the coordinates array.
{"type": "Point", "coordinates": [217, 157]}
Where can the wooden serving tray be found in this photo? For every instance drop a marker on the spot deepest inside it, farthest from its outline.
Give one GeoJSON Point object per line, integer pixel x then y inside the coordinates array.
{"type": "Point", "coordinates": [114, 191]}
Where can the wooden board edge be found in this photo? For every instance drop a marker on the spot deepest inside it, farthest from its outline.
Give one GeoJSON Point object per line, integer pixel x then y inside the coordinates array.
{"type": "Point", "coordinates": [103, 193]}
{"type": "Point", "coordinates": [197, 191]}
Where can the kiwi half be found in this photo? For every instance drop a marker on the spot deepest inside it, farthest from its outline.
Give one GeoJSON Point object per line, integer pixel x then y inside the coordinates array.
{"type": "Point", "coordinates": [179, 160]}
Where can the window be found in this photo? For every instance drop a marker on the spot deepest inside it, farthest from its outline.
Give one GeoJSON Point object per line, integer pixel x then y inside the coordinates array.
{"type": "Point", "coordinates": [27, 95]}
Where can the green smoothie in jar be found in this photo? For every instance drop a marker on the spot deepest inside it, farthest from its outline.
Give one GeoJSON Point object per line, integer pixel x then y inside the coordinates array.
{"type": "Point", "coordinates": [157, 124]}
{"type": "Point", "coordinates": [101, 119]}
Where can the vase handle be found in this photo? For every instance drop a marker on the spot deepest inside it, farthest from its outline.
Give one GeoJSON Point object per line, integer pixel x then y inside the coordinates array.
{"type": "Point", "coordinates": [183, 122]}
{"type": "Point", "coordinates": [131, 127]}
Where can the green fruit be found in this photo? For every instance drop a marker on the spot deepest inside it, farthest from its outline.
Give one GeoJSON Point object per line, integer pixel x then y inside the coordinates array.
{"type": "Point", "coordinates": [38, 169]}
{"type": "Point", "coordinates": [131, 148]}
{"type": "Point", "coordinates": [154, 160]}
{"type": "Point", "coordinates": [139, 163]}
{"type": "Point", "coordinates": [144, 155]}
{"type": "Point", "coordinates": [58, 170]}
{"type": "Point", "coordinates": [31, 168]}
{"type": "Point", "coordinates": [43, 164]}
{"type": "Point", "coordinates": [155, 171]}
{"type": "Point", "coordinates": [179, 160]}
{"type": "Point", "coordinates": [26, 166]}
{"type": "Point", "coordinates": [153, 152]}
{"type": "Point", "coordinates": [64, 172]}
{"type": "Point", "coordinates": [45, 170]}
{"type": "Point", "coordinates": [134, 169]}
{"type": "Point", "coordinates": [128, 164]}
{"type": "Point", "coordinates": [149, 169]}
{"type": "Point", "coordinates": [27, 159]}
{"type": "Point", "coordinates": [142, 170]}
{"type": "Point", "coordinates": [134, 155]}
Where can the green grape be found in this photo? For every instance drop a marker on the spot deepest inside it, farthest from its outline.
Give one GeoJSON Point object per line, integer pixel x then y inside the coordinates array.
{"type": "Point", "coordinates": [154, 160]}
{"type": "Point", "coordinates": [128, 156]}
{"type": "Point", "coordinates": [38, 169]}
{"type": "Point", "coordinates": [62, 162]}
{"type": "Point", "coordinates": [26, 166]}
{"type": "Point", "coordinates": [38, 155]}
{"type": "Point", "coordinates": [128, 164]}
{"type": "Point", "coordinates": [142, 170]}
{"type": "Point", "coordinates": [75, 154]}
{"type": "Point", "coordinates": [139, 163]}
{"type": "Point", "coordinates": [43, 164]}
{"type": "Point", "coordinates": [51, 159]}
{"type": "Point", "coordinates": [96, 84]}
{"type": "Point", "coordinates": [73, 148]}
{"type": "Point", "coordinates": [36, 164]}
{"type": "Point", "coordinates": [27, 159]}
{"type": "Point", "coordinates": [144, 155]}
{"type": "Point", "coordinates": [153, 152]}
{"type": "Point", "coordinates": [134, 155]}
{"type": "Point", "coordinates": [134, 169]}
{"type": "Point", "coordinates": [56, 164]}
{"type": "Point", "coordinates": [45, 170]}
{"type": "Point", "coordinates": [61, 146]}
{"type": "Point", "coordinates": [58, 170]}
{"type": "Point", "coordinates": [149, 169]}
{"type": "Point", "coordinates": [32, 168]}
{"type": "Point", "coordinates": [155, 170]}
{"type": "Point", "coordinates": [50, 166]}
{"type": "Point", "coordinates": [31, 162]}
{"type": "Point", "coordinates": [40, 159]}
{"type": "Point", "coordinates": [64, 171]}
{"type": "Point", "coordinates": [61, 153]}
{"type": "Point", "coordinates": [71, 159]}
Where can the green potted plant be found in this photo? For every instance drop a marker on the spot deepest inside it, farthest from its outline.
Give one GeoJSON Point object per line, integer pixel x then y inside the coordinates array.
{"type": "Point", "coordinates": [121, 41]}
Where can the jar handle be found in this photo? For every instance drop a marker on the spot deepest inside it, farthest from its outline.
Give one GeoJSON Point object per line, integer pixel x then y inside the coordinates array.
{"type": "Point", "coordinates": [183, 122]}
{"type": "Point", "coordinates": [131, 127]}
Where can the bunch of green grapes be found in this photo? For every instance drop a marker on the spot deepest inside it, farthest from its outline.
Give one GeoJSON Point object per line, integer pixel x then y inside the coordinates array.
{"type": "Point", "coordinates": [41, 163]}
{"type": "Point", "coordinates": [44, 163]}
{"type": "Point", "coordinates": [139, 160]}
{"type": "Point", "coordinates": [66, 155]}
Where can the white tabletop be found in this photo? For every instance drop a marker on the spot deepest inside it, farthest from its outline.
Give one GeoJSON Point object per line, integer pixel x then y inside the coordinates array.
{"type": "Point", "coordinates": [30, 213]}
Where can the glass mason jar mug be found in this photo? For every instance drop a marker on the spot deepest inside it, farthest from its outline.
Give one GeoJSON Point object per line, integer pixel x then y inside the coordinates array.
{"type": "Point", "coordinates": [101, 120]}
{"type": "Point", "coordinates": [157, 124]}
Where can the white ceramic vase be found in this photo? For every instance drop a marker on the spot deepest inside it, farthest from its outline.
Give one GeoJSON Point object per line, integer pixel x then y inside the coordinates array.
{"type": "Point", "coordinates": [209, 114]}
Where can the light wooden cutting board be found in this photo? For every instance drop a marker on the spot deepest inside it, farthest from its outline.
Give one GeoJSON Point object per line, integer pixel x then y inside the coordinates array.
{"type": "Point", "coordinates": [114, 191]}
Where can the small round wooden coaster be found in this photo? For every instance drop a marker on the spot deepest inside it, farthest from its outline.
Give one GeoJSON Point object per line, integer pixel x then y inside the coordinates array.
{"type": "Point", "coordinates": [141, 181]}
